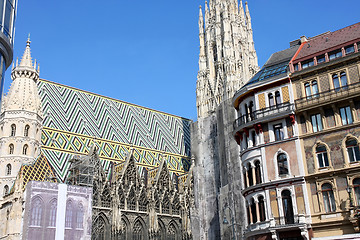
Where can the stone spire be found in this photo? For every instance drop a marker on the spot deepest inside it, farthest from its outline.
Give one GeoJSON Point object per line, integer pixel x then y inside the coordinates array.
{"type": "Point", "coordinates": [227, 56]}
{"type": "Point", "coordinates": [21, 120]}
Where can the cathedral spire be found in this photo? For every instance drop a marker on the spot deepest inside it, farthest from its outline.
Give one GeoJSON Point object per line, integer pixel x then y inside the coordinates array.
{"type": "Point", "coordinates": [26, 60]}
{"type": "Point", "coordinates": [248, 18]}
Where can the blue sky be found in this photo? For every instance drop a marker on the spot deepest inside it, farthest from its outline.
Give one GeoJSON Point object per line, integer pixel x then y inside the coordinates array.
{"type": "Point", "coordinates": [146, 52]}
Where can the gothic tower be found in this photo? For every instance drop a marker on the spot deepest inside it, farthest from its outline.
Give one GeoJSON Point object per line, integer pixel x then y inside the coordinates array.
{"type": "Point", "coordinates": [227, 56]}
{"type": "Point", "coordinates": [227, 60]}
{"type": "Point", "coordinates": [20, 121]}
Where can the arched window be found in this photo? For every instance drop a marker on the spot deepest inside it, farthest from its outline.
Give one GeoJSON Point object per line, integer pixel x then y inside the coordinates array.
{"type": "Point", "coordinates": [271, 99]}
{"type": "Point", "coordinates": [343, 80]}
{"type": "Point", "coordinates": [307, 90]}
{"type": "Point", "coordinates": [172, 232]}
{"type": "Point", "coordinates": [328, 197]}
{"type": "Point", "coordinates": [282, 163]}
{"type": "Point", "coordinates": [11, 148]}
{"type": "Point", "coordinates": [253, 211]}
{"type": "Point", "coordinates": [25, 148]}
{"type": "Point", "coordinates": [26, 131]}
{"type": "Point", "coordinates": [138, 231]}
{"type": "Point", "coordinates": [287, 207]}
{"type": "Point", "coordinates": [215, 53]}
{"type": "Point", "coordinates": [52, 215]}
{"type": "Point", "coordinates": [352, 148]}
{"type": "Point", "coordinates": [246, 113]}
{"type": "Point", "coordinates": [250, 175]}
{"type": "Point", "coordinates": [322, 156]}
{"type": "Point", "coordinates": [251, 110]}
{"type": "Point", "coordinates": [98, 228]}
{"type": "Point", "coordinates": [8, 169]}
{"type": "Point", "coordinates": [68, 214]}
{"type": "Point", "coordinates": [36, 212]}
{"type": "Point", "coordinates": [257, 172]}
{"type": "Point", "coordinates": [314, 88]}
{"type": "Point", "coordinates": [13, 130]}
{"type": "Point", "coordinates": [80, 217]}
{"type": "Point", "coordinates": [248, 214]}
{"type": "Point", "coordinates": [356, 185]}
{"type": "Point", "coordinates": [261, 208]}
{"type": "Point", "coordinates": [336, 83]}
{"type": "Point", "coordinates": [277, 98]}
{"type": "Point", "coordinates": [6, 190]}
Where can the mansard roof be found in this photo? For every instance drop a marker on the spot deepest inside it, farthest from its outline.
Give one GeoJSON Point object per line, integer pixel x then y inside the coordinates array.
{"type": "Point", "coordinates": [329, 40]}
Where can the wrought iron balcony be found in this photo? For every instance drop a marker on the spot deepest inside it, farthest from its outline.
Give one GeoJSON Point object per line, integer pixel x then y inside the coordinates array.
{"type": "Point", "coordinates": [327, 97]}
{"type": "Point", "coordinates": [263, 114]}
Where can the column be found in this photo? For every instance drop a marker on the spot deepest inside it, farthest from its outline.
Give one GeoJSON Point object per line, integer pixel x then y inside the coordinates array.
{"type": "Point", "coordinates": [336, 115]}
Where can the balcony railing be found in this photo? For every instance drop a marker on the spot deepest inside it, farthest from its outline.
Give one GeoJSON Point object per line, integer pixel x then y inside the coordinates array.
{"type": "Point", "coordinates": [248, 119]}
{"type": "Point", "coordinates": [328, 96]}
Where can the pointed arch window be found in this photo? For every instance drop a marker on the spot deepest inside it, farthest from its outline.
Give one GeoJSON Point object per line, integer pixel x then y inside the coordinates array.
{"type": "Point", "coordinates": [80, 217]}
{"type": "Point", "coordinates": [282, 163]}
{"type": "Point", "coordinates": [52, 215]}
{"type": "Point", "coordinates": [36, 212]}
{"type": "Point", "coordinates": [13, 130]}
{"type": "Point", "coordinates": [353, 151]}
{"type": "Point", "coordinates": [8, 170]}
{"type": "Point", "coordinates": [328, 198]}
{"type": "Point", "coordinates": [356, 185]}
{"type": "Point", "coordinates": [11, 148]}
{"type": "Point", "coordinates": [6, 190]}
{"type": "Point", "coordinates": [25, 149]}
{"type": "Point", "coordinates": [322, 156]}
{"type": "Point", "coordinates": [138, 231]}
{"type": "Point", "coordinates": [287, 207]}
{"type": "Point", "coordinates": [172, 232]}
{"type": "Point", "coordinates": [68, 214]}
{"type": "Point", "coordinates": [26, 131]}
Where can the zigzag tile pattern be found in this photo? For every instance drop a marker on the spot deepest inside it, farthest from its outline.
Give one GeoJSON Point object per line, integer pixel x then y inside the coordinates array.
{"type": "Point", "coordinates": [75, 119]}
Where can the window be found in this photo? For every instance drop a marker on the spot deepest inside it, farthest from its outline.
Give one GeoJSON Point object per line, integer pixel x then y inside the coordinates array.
{"type": "Point", "coordinates": [253, 211]}
{"type": "Point", "coordinates": [250, 175]}
{"type": "Point", "coordinates": [352, 148]}
{"type": "Point", "coordinates": [307, 90]}
{"type": "Point", "coordinates": [215, 53]}
{"type": "Point", "coordinates": [316, 122]}
{"type": "Point", "coordinates": [346, 117]}
{"type": "Point", "coordinates": [271, 100]}
{"type": "Point", "coordinates": [278, 132]}
{"type": "Point", "coordinates": [314, 88]}
{"type": "Point", "coordinates": [253, 138]}
{"type": "Point", "coordinates": [307, 64]}
{"type": "Point", "coordinates": [343, 80]}
{"type": "Point", "coordinates": [320, 59]}
{"type": "Point", "coordinates": [11, 148]}
{"type": "Point", "coordinates": [335, 54]}
{"type": "Point", "coordinates": [336, 83]}
{"type": "Point", "coordinates": [8, 170]}
{"type": "Point", "coordinates": [257, 172]}
{"type": "Point", "coordinates": [328, 197]}
{"type": "Point", "coordinates": [277, 98]}
{"type": "Point", "coordinates": [311, 90]}
{"type": "Point", "coordinates": [26, 131]}
{"type": "Point", "coordinates": [52, 216]}
{"type": "Point", "coordinates": [261, 208]}
{"type": "Point", "coordinates": [330, 119]}
{"type": "Point", "coordinates": [287, 207]}
{"type": "Point", "coordinates": [68, 215]}
{"type": "Point", "coordinates": [282, 164]}
{"type": "Point", "coordinates": [251, 110]}
{"type": "Point", "coordinates": [25, 148]}
{"type": "Point", "coordinates": [36, 212]}
{"type": "Point", "coordinates": [245, 141]}
{"type": "Point", "coordinates": [349, 49]}
{"type": "Point", "coordinates": [303, 124]}
{"type": "Point", "coordinates": [13, 130]}
{"type": "Point", "coordinates": [79, 217]}
{"type": "Point", "coordinates": [296, 67]}
{"type": "Point", "coordinates": [6, 190]}
{"type": "Point", "coordinates": [356, 185]}
{"type": "Point", "coordinates": [322, 157]}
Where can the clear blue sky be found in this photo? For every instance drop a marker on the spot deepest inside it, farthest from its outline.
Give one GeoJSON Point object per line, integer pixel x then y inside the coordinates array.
{"type": "Point", "coordinates": [146, 52]}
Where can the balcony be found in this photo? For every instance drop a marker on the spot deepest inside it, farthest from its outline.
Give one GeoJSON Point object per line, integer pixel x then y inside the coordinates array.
{"type": "Point", "coordinates": [327, 97]}
{"type": "Point", "coordinates": [264, 114]}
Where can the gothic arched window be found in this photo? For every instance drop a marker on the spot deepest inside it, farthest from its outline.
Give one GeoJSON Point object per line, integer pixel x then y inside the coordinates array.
{"type": "Point", "coordinates": [68, 214]}
{"type": "Point", "coordinates": [80, 216]}
{"type": "Point", "coordinates": [6, 190]}
{"type": "Point", "coordinates": [171, 232]}
{"type": "Point", "coordinates": [8, 169]}
{"type": "Point", "coordinates": [26, 131]}
{"type": "Point", "coordinates": [36, 212]}
{"type": "Point", "coordinates": [328, 197]}
{"type": "Point", "coordinates": [13, 130]}
{"type": "Point", "coordinates": [352, 148]}
{"type": "Point", "coordinates": [25, 148]}
{"type": "Point", "coordinates": [52, 215]}
{"type": "Point", "coordinates": [287, 207]}
{"type": "Point", "coordinates": [11, 148]}
{"type": "Point", "coordinates": [282, 163]}
{"type": "Point", "coordinates": [138, 231]}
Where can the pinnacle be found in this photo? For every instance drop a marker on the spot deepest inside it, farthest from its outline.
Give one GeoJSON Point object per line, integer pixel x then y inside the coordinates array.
{"type": "Point", "coordinates": [26, 60]}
